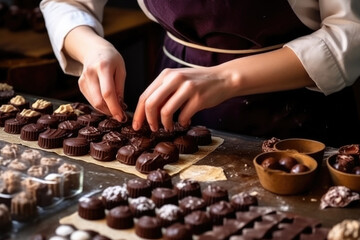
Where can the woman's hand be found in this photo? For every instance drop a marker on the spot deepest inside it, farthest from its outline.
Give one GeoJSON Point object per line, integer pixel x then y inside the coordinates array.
{"type": "Point", "coordinates": [103, 77]}
{"type": "Point", "coordinates": [188, 89]}
{"type": "Point", "coordinates": [102, 81]}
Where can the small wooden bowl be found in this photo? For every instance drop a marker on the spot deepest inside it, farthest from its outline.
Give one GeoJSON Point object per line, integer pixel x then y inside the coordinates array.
{"type": "Point", "coordinates": [312, 148]}
{"type": "Point", "coordinates": [352, 181]}
{"type": "Point", "coordinates": [284, 183]}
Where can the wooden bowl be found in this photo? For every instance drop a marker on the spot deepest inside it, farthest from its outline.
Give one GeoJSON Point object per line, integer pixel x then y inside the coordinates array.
{"type": "Point", "coordinates": [350, 180]}
{"type": "Point", "coordinates": [281, 182]}
{"type": "Point", "coordinates": [312, 148]}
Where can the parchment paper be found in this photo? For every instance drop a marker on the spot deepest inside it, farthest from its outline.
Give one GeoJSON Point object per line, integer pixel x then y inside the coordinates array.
{"type": "Point", "coordinates": [185, 160]}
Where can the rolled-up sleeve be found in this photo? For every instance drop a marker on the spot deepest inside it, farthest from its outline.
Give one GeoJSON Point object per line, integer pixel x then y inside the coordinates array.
{"type": "Point", "coordinates": [63, 16]}
{"type": "Point", "coordinates": [331, 54]}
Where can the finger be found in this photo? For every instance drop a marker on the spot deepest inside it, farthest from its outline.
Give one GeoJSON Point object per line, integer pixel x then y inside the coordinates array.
{"type": "Point", "coordinates": [175, 102]}
{"type": "Point", "coordinates": [89, 86]}
{"type": "Point", "coordinates": [139, 114]}
{"type": "Point", "coordinates": [109, 93]}
{"type": "Point", "coordinates": [188, 111]}
{"type": "Point", "coordinates": [157, 99]}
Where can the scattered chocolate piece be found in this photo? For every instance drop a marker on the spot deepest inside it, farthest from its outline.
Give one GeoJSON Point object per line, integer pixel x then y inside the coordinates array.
{"type": "Point", "coordinates": [338, 196]}
{"type": "Point", "coordinates": [268, 145]}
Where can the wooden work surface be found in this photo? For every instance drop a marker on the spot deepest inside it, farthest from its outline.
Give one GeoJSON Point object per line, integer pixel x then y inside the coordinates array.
{"type": "Point", "coordinates": [234, 156]}
{"type": "Point", "coordinates": [32, 44]}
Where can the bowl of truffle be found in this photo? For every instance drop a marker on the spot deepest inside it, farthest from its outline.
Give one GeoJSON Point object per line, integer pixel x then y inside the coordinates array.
{"type": "Point", "coordinates": [313, 148]}
{"type": "Point", "coordinates": [284, 172]}
{"type": "Point", "coordinates": [344, 167]}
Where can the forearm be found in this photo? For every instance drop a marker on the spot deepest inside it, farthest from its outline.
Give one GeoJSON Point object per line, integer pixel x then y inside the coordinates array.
{"type": "Point", "coordinates": [268, 72]}
{"type": "Point", "coordinates": [80, 40]}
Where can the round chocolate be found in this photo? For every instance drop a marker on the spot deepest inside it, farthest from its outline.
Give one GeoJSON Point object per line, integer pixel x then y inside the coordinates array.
{"type": "Point", "coordinates": [177, 231]}
{"type": "Point", "coordinates": [128, 154]}
{"type": "Point", "coordinates": [48, 120]}
{"type": "Point", "coordinates": [242, 201]}
{"type": "Point", "coordinates": [102, 151]}
{"type": "Point", "coordinates": [91, 133]}
{"type": "Point", "coordinates": [109, 124]}
{"type": "Point", "coordinates": [201, 135]}
{"type": "Point", "coordinates": [162, 196]}
{"type": "Point", "coordinates": [148, 162]}
{"type": "Point", "coordinates": [187, 187]}
{"type": "Point", "coordinates": [287, 163]}
{"type": "Point", "coordinates": [168, 151]}
{"type": "Point", "coordinates": [141, 143]}
{"type": "Point", "coordinates": [71, 126]}
{"type": "Point", "coordinates": [186, 144]}
{"type": "Point", "coordinates": [190, 203]}
{"type": "Point", "coordinates": [137, 187]}
{"type": "Point", "coordinates": [77, 146]}
{"type": "Point", "coordinates": [198, 221]}
{"type": "Point", "coordinates": [142, 206]}
{"type": "Point", "coordinates": [220, 210]}
{"type": "Point", "coordinates": [299, 168]}
{"type": "Point", "coordinates": [114, 196]}
{"type": "Point", "coordinates": [213, 193]}
{"type": "Point", "coordinates": [52, 138]}
{"type": "Point", "coordinates": [114, 139]}
{"type": "Point", "coordinates": [120, 217]}
{"type": "Point", "coordinates": [356, 170]}
{"type": "Point", "coordinates": [89, 120]}
{"type": "Point", "coordinates": [148, 227]}
{"type": "Point", "coordinates": [159, 178]}
{"type": "Point", "coordinates": [31, 131]}
{"type": "Point", "coordinates": [270, 163]}
{"type": "Point", "coordinates": [169, 214]}
{"type": "Point", "coordinates": [91, 208]}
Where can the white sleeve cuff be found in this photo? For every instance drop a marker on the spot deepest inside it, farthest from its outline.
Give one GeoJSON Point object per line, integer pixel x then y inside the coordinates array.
{"type": "Point", "coordinates": [319, 62]}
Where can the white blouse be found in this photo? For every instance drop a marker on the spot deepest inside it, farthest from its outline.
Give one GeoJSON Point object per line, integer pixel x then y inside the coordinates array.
{"type": "Point", "coordinates": [330, 55]}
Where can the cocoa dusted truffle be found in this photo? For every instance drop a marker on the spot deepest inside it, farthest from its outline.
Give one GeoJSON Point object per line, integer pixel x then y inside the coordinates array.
{"type": "Point", "coordinates": [169, 214]}
{"type": "Point", "coordinates": [91, 208]}
{"type": "Point", "coordinates": [142, 206]}
{"type": "Point", "coordinates": [114, 196]}
{"type": "Point", "coordinates": [191, 203]}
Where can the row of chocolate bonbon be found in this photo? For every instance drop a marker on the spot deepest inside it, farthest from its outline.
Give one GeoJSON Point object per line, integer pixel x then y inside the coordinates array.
{"type": "Point", "coordinates": [207, 213]}
{"type": "Point", "coordinates": [81, 131]}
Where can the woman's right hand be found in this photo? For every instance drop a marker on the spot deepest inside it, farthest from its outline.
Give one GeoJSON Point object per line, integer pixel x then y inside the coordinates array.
{"type": "Point", "coordinates": [103, 77]}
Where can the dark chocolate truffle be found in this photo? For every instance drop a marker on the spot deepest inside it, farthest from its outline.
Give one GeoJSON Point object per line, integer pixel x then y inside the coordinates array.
{"type": "Point", "coordinates": [52, 138]}
{"type": "Point", "coordinates": [120, 217]}
{"type": "Point", "coordinates": [162, 196]}
{"type": "Point", "coordinates": [23, 207]}
{"type": "Point", "coordinates": [201, 135]}
{"type": "Point", "coordinates": [213, 193]}
{"type": "Point", "coordinates": [191, 203]}
{"type": "Point", "coordinates": [287, 163]}
{"type": "Point", "coordinates": [31, 131]}
{"type": "Point", "coordinates": [137, 187]}
{"type": "Point", "coordinates": [13, 126]}
{"type": "Point", "coordinates": [177, 231]}
{"type": "Point", "coordinates": [198, 221]}
{"type": "Point", "coordinates": [102, 151]}
{"type": "Point", "coordinates": [168, 151]}
{"type": "Point", "coordinates": [77, 146]}
{"type": "Point", "coordinates": [128, 154]}
{"type": "Point", "coordinates": [48, 120]}
{"type": "Point", "coordinates": [187, 187]}
{"type": "Point", "coordinates": [148, 227]}
{"type": "Point", "coordinates": [89, 120]}
{"type": "Point", "coordinates": [91, 208]}
{"type": "Point", "coordinates": [148, 162]}
{"type": "Point", "coordinates": [115, 139]}
{"type": "Point", "coordinates": [109, 124]}
{"type": "Point", "coordinates": [270, 163]}
{"type": "Point", "coordinates": [186, 144]}
{"type": "Point", "coordinates": [159, 178]}
{"type": "Point", "coordinates": [142, 143]}
{"type": "Point", "coordinates": [220, 210]}
{"type": "Point", "coordinates": [92, 134]}
{"type": "Point", "coordinates": [70, 126]}
{"type": "Point", "coordinates": [242, 201]}
{"type": "Point", "coordinates": [299, 168]}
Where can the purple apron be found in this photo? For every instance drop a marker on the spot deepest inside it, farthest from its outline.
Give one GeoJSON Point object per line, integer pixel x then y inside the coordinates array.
{"type": "Point", "coordinates": [252, 24]}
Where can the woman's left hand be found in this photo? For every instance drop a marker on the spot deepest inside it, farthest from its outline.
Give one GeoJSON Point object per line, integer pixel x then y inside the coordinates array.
{"type": "Point", "coordinates": [188, 89]}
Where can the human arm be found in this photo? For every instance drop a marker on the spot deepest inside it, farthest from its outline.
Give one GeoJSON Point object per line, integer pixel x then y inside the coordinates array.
{"type": "Point", "coordinates": [75, 33]}
{"type": "Point", "coordinates": [329, 56]}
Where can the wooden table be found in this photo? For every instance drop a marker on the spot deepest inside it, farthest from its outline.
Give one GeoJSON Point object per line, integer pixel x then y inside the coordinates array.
{"type": "Point", "coordinates": [235, 157]}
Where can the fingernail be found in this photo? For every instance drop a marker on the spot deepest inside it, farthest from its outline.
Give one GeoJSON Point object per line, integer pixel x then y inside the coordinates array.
{"type": "Point", "coordinates": [135, 125]}
{"type": "Point", "coordinates": [118, 118]}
